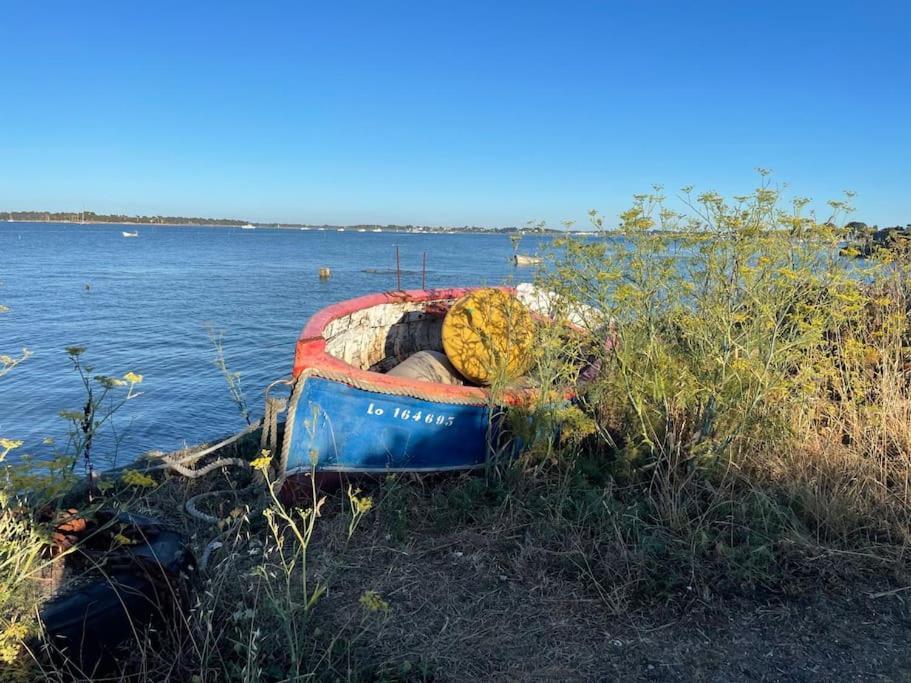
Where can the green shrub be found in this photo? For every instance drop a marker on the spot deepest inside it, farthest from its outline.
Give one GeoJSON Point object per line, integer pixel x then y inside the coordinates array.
{"type": "Point", "coordinates": [752, 385]}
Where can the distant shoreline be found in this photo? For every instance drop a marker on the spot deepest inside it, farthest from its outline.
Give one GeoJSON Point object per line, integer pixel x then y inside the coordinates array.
{"type": "Point", "coordinates": [151, 225]}
{"type": "Point", "coordinates": [418, 230]}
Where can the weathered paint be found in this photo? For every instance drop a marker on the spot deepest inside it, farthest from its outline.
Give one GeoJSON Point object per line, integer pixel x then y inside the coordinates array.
{"type": "Point", "coordinates": [349, 429]}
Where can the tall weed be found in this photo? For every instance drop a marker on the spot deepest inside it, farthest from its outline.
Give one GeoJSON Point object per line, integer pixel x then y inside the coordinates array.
{"type": "Point", "coordinates": [747, 388]}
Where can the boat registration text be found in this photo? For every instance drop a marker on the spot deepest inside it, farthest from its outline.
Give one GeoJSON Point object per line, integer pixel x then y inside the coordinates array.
{"type": "Point", "coordinates": [416, 416]}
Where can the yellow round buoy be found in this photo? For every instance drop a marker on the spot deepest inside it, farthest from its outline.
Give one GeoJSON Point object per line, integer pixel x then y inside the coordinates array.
{"type": "Point", "coordinates": [488, 336]}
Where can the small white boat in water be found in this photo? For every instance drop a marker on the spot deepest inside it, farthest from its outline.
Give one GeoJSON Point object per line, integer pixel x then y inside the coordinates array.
{"type": "Point", "coordinates": [135, 233]}
{"type": "Point", "coordinates": [521, 260]}
{"type": "Point", "coordinates": [248, 226]}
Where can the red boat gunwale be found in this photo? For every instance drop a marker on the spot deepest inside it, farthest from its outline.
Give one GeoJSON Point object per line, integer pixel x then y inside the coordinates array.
{"type": "Point", "coordinates": [310, 351]}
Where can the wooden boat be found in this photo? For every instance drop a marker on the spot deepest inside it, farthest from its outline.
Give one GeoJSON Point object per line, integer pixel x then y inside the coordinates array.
{"type": "Point", "coordinates": [347, 415]}
{"type": "Point", "coordinates": [135, 233]}
{"type": "Point", "coordinates": [520, 260]}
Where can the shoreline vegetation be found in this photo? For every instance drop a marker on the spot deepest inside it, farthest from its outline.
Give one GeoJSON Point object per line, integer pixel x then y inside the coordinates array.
{"type": "Point", "coordinates": [91, 218]}
{"type": "Point", "coordinates": [860, 240]}
{"type": "Point", "coordinates": [726, 496]}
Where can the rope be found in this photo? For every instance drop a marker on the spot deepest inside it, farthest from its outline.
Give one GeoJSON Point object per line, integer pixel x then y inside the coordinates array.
{"type": "Point", "coordinates": [268, 441]}
{"type": "Point", "coordinates": [195, 512]}
{"type": "Point", "coordinates": [282, 469]}
{"type": "Point", "coordinates": [202, 471]}
{"type": "Point", "coordinates": [269, 423]}
{"type": "Point", "coordinates": [413, 392]}
{"type": "Point", "coordinates": [193, 457]}
{"type": "Point", "coordinates": [269, 438]}
{"type": "Point", "coordinates": [212, 546]}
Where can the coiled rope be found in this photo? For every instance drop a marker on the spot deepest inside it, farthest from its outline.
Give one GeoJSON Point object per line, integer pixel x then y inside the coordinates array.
{"type": "Point", "coordinates": [268, 442]}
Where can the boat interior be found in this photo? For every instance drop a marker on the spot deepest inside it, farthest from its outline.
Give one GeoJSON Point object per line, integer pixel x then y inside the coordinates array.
{"type": "Point", "coordinates": [380, 337]}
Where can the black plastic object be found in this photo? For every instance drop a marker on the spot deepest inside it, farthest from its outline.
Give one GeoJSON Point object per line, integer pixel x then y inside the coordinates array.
{"type": "Point", "coordinates": [140, 585]}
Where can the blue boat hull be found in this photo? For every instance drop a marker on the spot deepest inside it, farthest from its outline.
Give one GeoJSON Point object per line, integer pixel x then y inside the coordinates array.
{"type": "Point", "coordinates": [336, 427]}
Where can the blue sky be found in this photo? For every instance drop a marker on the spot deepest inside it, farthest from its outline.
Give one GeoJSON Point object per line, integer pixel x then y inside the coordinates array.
{"type": "Point", "coordinates": [448, 112]}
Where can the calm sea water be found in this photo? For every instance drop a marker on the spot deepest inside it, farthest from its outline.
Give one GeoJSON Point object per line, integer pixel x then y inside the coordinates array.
{"type": "Point", "coordinates": [143, 305]}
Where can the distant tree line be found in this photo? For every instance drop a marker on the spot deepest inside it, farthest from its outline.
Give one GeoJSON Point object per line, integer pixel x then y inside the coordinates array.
{"type": "Point", "coordinates": [867, 240]}
{"type": "Point", "coordinates": [92, 217]}
{"type": "Point", "coordinates": [859, 230]}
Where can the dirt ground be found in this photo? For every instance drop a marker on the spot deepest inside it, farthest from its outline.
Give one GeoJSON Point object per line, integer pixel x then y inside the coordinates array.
{"type": "Point", "coordinates": [461, 607]}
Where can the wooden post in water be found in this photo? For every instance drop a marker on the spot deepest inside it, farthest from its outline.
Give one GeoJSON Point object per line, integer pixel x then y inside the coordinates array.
{"type": "Point", "coordinates": [324, 273]}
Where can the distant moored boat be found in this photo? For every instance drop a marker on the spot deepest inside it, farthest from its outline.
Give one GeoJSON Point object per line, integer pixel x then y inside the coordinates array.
{"type": "Point", "coordinates": [520, 260]}
{"type": "Point", "coordinates": [135, 233]}
{"type": "Point", "coordinates": [248, 226]}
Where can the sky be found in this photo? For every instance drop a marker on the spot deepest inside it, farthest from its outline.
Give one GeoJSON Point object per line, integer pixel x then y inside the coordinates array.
{"type": "Point", "coordinates": [448, 113]}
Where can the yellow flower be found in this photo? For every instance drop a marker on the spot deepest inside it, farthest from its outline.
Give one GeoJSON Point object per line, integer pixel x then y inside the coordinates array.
{"type": "Point", "coordinates": [133, 378]}
{"type": "Point", "coordinates": [11, 638]}
{"type": "Point", "coordinates": [9, 444]}
{"type": "Point", "coordinates": [740, 365]}
{"type": "Point", "coordinates": [109, 382]}
{"type": "Point", "coordinates": [262, 463]}
{"type": "Point", "coordinates": [362, 505]}
{"type": "Point", "coordinates": [120, 539]}
{"type": "Point", "coordinates": [135, 478]}
{"type": "Point", "coordinates": [787, 273]}
{"type": "Point", "coordinates": [372, 602]}
{"type": "Point", "coordinates": [15, 631]}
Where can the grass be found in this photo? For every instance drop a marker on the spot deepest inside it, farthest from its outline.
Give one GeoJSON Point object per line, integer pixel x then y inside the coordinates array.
{"type": "Point", "coordinates": [739, 447]}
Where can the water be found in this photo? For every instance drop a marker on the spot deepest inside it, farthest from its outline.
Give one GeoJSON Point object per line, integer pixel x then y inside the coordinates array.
{"type": "Point", "coordinates": [143, 305]}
